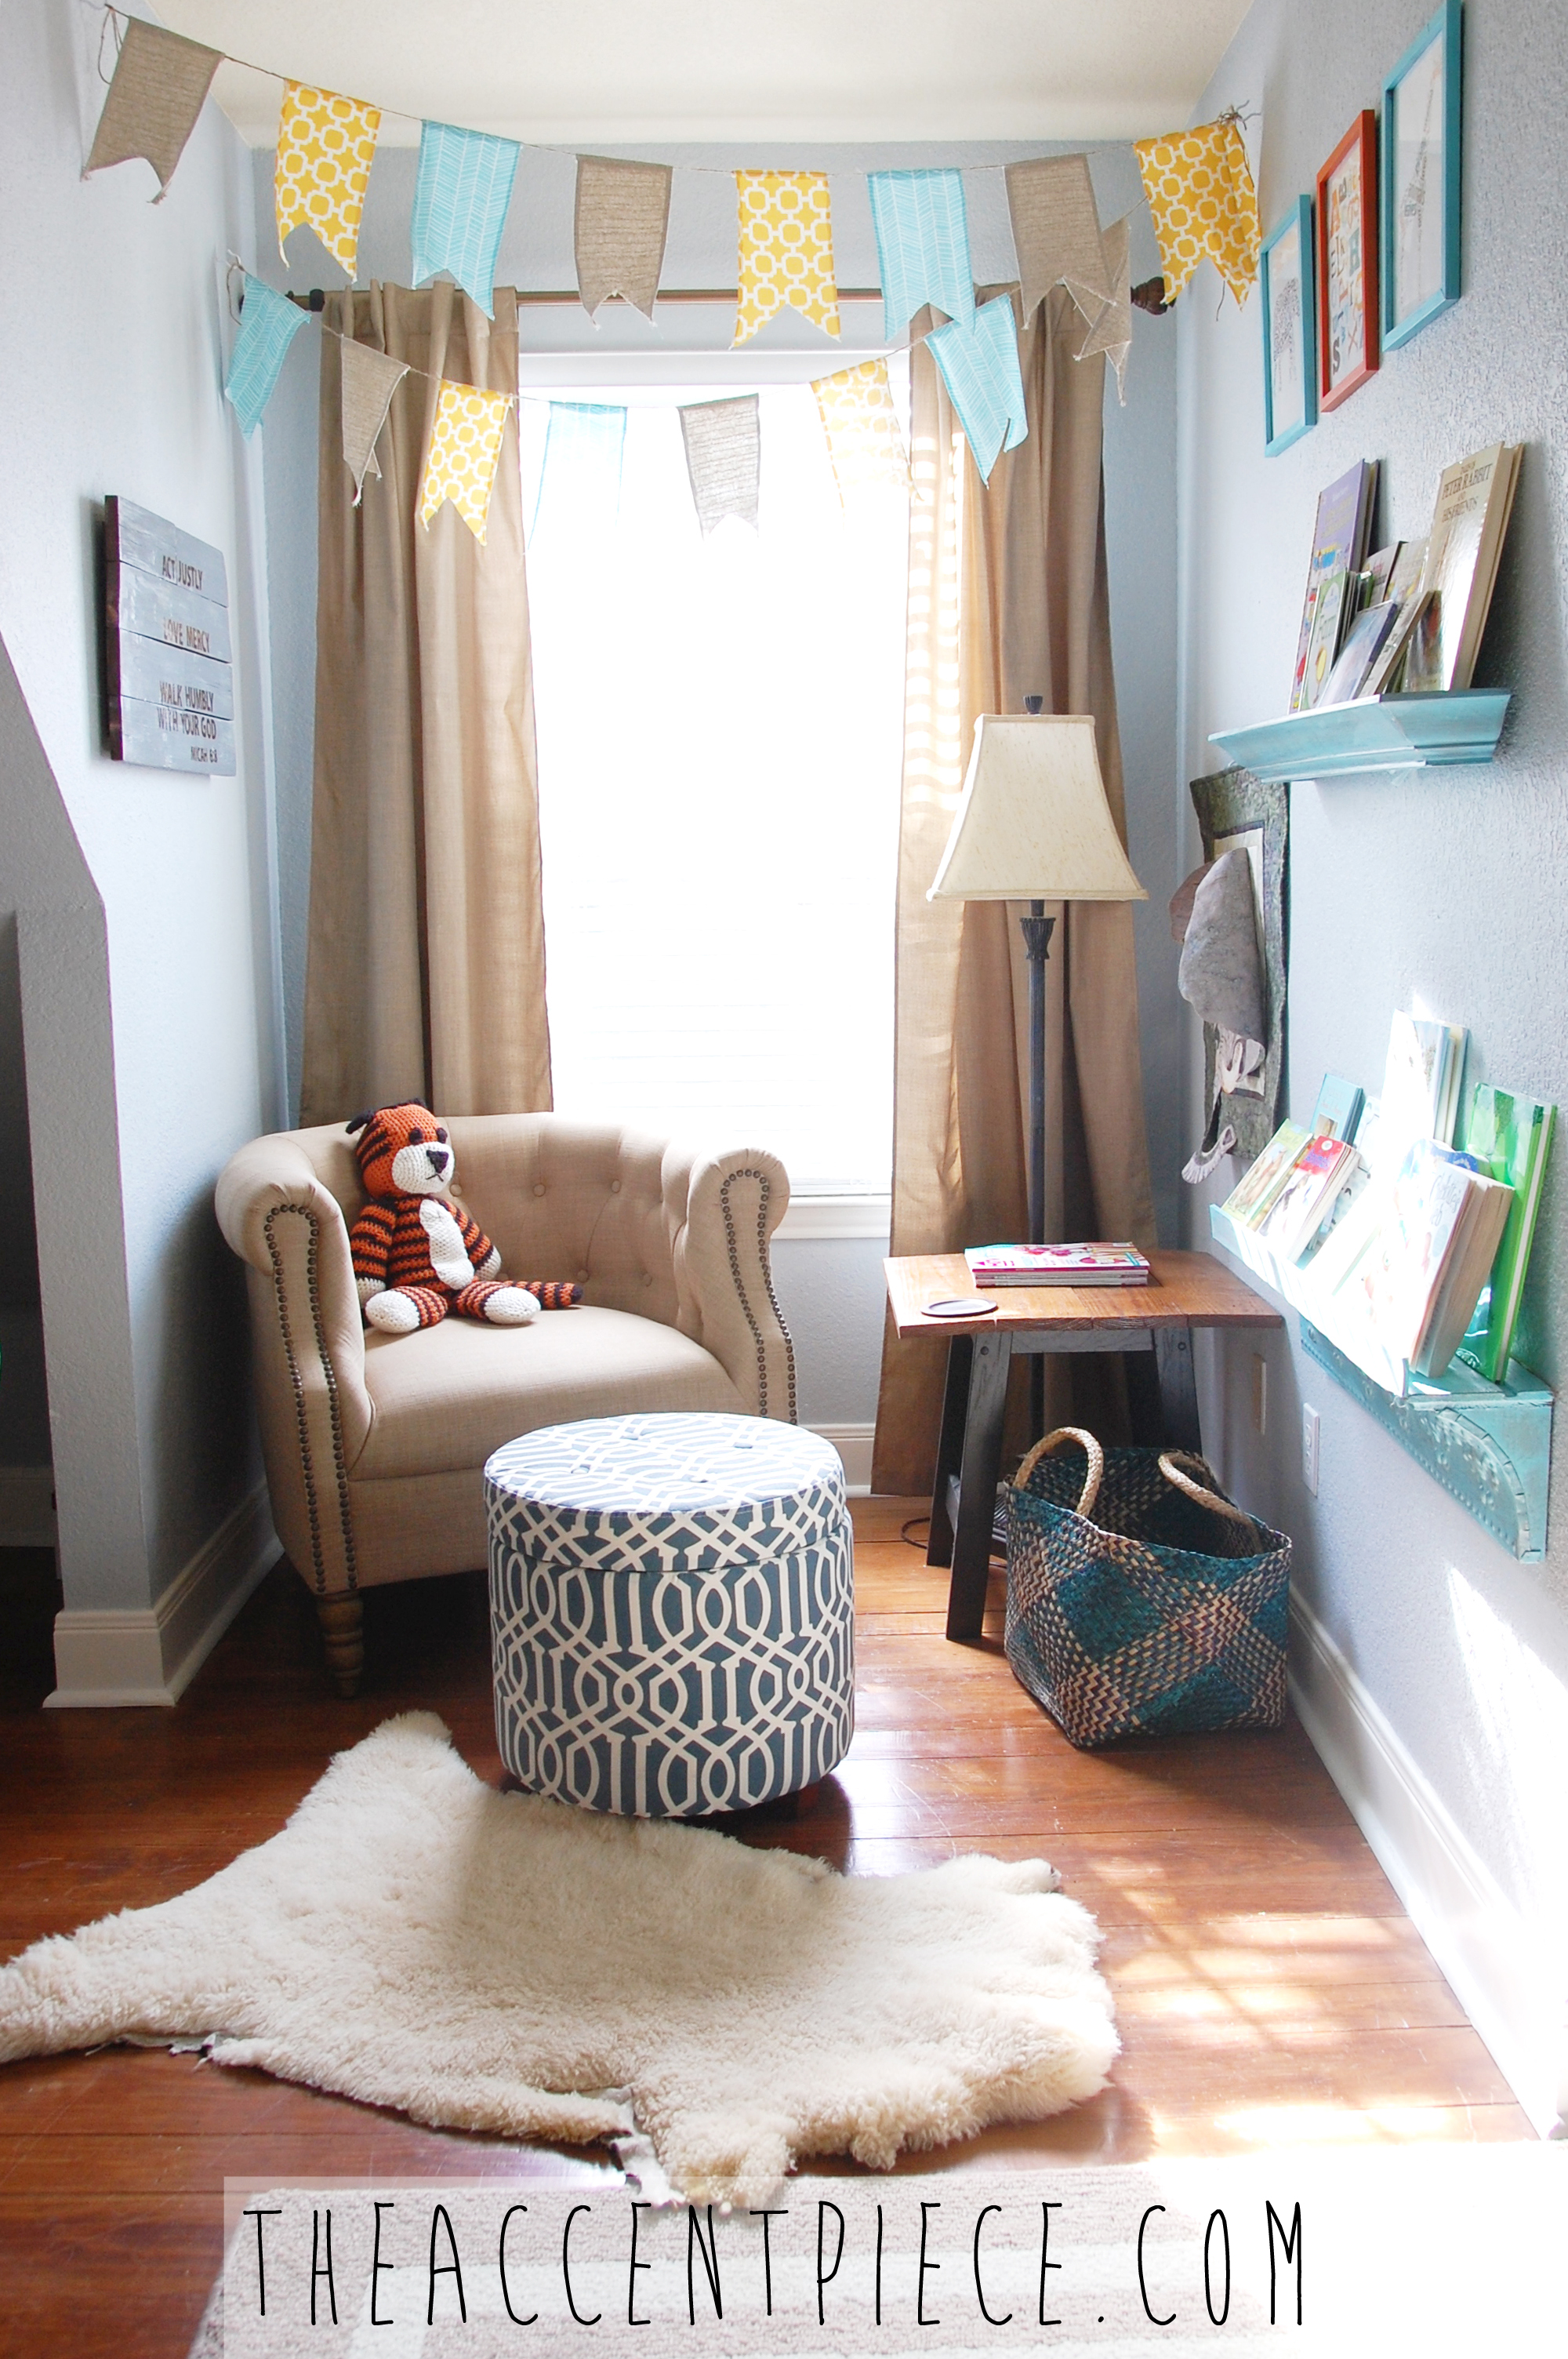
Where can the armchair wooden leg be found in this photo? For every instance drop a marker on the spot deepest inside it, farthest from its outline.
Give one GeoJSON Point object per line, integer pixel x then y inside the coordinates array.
{"type": "Point", "coordinates": [342, 1627]}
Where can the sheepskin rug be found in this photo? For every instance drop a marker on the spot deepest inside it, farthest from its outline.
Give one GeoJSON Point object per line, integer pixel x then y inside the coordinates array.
{"type": "Point", "coordinates": [495, 1961]}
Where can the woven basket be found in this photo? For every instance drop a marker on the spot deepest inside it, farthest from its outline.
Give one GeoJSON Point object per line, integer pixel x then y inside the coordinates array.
{"type": "Point", "coordinates": [1167, 1614]}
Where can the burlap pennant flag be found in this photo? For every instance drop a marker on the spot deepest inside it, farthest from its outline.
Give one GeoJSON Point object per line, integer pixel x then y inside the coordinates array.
{"type": "Point", "coordinates": [923, 245]}
{"type": "Point", "coordinates": [860, 422]}
{"type": "Point", "coordinates": [1110, 328]}
{"type": "Point", "coordinates": [1200, 191]}
{"type": "Point", "coordinates": [787, 250]}
{"type": "Point", "coordinates": [579, 482]}
{"type": "Point", "coordinates": [1056, 231]}
{"type": "Point", "coordinates": [369, 381]}
{"type": "Point", "coordinates": [465, 445]}
{"type": "Point", "coordinates": [723, 458]}
{"type": "Point", "coordinates": [622, 217]}
{"type": "Point", "coordinates": [160, 84]}
{"type": "Point", "coordinates": [979, 368]}
{"type": "Point", "coordinates": [268, 325]}
{"type": "Point", "coordinates": [326, 146]}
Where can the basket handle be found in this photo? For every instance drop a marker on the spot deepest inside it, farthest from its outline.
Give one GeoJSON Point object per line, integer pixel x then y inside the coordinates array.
{"type": "Point", "coordinates": [1171, 1464]}
{"type": "Point", "coordinates": [1092, 1472]}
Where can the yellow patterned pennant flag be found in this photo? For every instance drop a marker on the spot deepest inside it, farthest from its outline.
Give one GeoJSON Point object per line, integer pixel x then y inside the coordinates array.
{"type": "Point", "coordinates": [786, 249]}
{"type": "Point", "coordinates": [464, 449]}
{"type": "Point", "coordinates": [864, 442]}
{"type": "Point", "coordinates": [325, 148]}
{"type": "Point", "coordinates": [1200, 191]}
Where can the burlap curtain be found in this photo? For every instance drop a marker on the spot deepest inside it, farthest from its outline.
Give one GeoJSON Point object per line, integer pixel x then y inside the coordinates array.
{"type": "Point", "coordinates": [425, 972]}
{"type": "Point", "coordinates": [1007, 598]}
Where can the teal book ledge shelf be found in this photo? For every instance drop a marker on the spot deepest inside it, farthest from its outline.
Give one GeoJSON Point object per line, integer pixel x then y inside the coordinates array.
{"type": "Point", "coordinates": [1488, 1445]}
{"type": "Point", "coordinates": [1389, 733]}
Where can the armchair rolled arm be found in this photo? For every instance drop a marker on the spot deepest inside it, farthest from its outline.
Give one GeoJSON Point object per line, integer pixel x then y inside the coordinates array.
{"type": "Point", "coordinates": [723, 1209]}
{"type": "Point", "coordinates": [307, 1338]}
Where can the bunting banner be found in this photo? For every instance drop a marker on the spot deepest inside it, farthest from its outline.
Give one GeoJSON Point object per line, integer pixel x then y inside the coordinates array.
{"type": "Point", "coordinates": [585, 443]}
{"type": "Point", "coordinates": [326, 146]}
{"type": "Point", "coordinates": [723, 458]}
{"type": "Point", "coordinates": [460, 207]}
{"type": "Point", "coordinates": [161, 85]}
{"type": "Point", "coordinates": [465, 445]}
{"type": "Point", "coordinates": [268, 325]}
{"type": "Point", "coordinates": [1056, 231]}
{"type": "Point", "coordinates": [979, 369]}
{"type": "Point", "coordinates": [787, 250]}
{"type": "Point", "coordinates": [860, 422]}
{"type": "Point", "coordinates": [1200, 191]}
{"type": "Point", "coordinates": [369, 381]}
{"type": "Point", "coordinates": [1110, 326]}
{"type": "Point", "coordinates": [923, 245]}
{"type": "Point", "coordinates": [622, 219]}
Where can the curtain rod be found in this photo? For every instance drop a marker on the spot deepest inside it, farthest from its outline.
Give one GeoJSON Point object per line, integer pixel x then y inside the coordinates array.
{"type": "Point", "coordinates": [1150, 296]}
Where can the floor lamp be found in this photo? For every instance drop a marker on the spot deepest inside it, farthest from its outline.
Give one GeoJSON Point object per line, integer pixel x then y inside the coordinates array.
{"type": "Point", "coordinates": [1034, 825]}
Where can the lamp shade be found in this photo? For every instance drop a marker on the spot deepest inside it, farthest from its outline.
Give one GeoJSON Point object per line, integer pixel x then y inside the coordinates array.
{"type": "Point", "coordinates": [1033, 823]}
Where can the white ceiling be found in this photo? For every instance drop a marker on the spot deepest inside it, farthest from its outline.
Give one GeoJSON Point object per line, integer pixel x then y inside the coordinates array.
{"type": "Point", "coordinates": [616, 72]}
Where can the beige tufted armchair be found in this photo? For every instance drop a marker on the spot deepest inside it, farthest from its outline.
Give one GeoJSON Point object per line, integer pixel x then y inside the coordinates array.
{"type": "Point", "coordinates": [374, 1444]}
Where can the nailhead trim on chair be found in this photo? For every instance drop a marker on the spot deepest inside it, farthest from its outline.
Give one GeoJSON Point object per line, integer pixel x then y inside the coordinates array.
{"type": "Point", "coordinates": [749, 1172]}
{"type": "Point", "coordinates": [313, 1290]}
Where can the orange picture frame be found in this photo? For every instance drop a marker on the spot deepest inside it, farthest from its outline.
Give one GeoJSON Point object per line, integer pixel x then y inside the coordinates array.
{"type": "Point", "coordinates": [1348, 307]}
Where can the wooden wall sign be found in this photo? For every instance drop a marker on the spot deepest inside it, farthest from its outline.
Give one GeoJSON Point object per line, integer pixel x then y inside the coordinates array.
{"type": "Point", "coordinates": [171, 689]}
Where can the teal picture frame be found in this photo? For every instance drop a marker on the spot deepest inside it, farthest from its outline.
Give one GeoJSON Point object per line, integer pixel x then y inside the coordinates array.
{"type": "Point", "coordinates": [1283, 295]}
{"type": "Point", "coordinates": [1421, 263]}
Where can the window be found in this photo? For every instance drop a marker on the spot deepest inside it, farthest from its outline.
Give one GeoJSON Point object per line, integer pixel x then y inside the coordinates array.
{"type": "Point", "coordinates": [721, 731]}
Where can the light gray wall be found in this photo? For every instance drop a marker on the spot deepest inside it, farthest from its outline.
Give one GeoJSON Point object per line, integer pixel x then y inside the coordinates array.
{"type": "Point", "coordinates": [1448, 886]}
{"type": "Point", "coordinates": [144, 959]}
{"type": "Point", "coordinates": [832, 1291]}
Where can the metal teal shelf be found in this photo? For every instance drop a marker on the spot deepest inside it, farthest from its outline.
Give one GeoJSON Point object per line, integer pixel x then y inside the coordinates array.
{"type": "Point", "coordinates": [1388, 732]}
{"type": "Point", "coordinates": [1488, 1445]}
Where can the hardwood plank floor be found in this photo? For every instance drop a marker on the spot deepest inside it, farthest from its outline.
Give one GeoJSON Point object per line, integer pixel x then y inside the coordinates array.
{"type": "Point", "coordinates": [1268, 1987]}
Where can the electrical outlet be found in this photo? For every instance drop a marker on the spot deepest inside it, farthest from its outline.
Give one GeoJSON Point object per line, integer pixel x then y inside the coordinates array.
{"type": "Point", "coordinates": [1310, 1427]}
{"type": "Point", "coordinates": [1260, 1393]}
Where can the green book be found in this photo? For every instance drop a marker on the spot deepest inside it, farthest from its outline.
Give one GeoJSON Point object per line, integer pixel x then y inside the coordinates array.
{"type": "Point", "coordinates": [1510, 1136]}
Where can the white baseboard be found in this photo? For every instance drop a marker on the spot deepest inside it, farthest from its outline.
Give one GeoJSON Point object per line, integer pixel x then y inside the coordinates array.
{"type": "Point", "coordinates": [853, 1443]}
{"type": "Point", "coordinates": [1499, 1965]}
{"type": "Point", "coordinates": [26, 1506]}
{"type": "Point", "coordinates": [150, 1656]}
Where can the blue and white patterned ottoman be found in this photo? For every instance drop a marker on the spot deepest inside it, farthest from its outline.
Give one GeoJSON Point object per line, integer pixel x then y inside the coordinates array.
{"type": "Point", "coordinates": [672, 1612]}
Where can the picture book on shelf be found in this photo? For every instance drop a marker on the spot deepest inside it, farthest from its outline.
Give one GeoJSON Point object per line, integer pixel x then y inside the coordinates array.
{"type": "Point", "coordinates": [1303, 1203]}
{"type": "Point", "coordinates": [1057, 1264]}
{"type": "Point", "coordinates": [1420, 1085]}
{"type": "Point", "coordinates": [1475, 499]}
{"type": "Point", "coordinates": [1338, 546]}
{"type": "Point", "coordinates": [1412, 1255]}
{"type": "Point", "coordinates": [1338, 1108]}
{"type": "Point", "coordinates": [1251, 1198]}
{"type": "Point", "coordinates": [1510, 1137]}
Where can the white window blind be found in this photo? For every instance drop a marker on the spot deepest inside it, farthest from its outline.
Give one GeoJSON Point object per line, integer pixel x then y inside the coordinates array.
{"type": "Point", "coordinates": [720, 728]}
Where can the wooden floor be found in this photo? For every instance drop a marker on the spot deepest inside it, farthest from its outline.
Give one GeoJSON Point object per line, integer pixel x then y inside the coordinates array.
{"type": "Point", "coordinates": [1268, 1987]}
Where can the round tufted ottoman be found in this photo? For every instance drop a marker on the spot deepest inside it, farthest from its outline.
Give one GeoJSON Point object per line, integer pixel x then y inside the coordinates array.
{"type": "Point", "coordinates": [672, 1612]}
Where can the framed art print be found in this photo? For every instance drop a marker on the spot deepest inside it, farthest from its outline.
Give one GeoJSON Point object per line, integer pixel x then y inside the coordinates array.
{"type": "Point", "coordinates": [1287, 272]}
{"type": "Point", "coordinates": [1420, 179]}
{"type": "Point", "coordinates": [1347, 329]}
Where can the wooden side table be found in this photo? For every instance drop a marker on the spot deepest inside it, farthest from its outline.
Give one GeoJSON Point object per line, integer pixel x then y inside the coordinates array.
{"type": "Point", "coordinates": [1185, 1291]}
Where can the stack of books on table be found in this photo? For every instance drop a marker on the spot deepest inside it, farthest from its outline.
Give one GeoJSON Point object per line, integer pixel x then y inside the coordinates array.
{"type": "Point", "coordinates": [1393, 1231]}
{"type": "Point", "coordinates": [1064, 1265]}
{"type": "Point", "coordinates": [1408, 617]}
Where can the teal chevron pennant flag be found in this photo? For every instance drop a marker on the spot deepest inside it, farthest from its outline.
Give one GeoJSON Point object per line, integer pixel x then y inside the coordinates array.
{"type": "Point", "coordinates": [268, 325]}
{"type": "Point", "coordinates": [579, 482]}
{"type": "Point", "coordinates": [979, 368]}
{"type": "Point", "coordinates": [460, 206]}
{"type": "Point", "coordinates": [923, 245]}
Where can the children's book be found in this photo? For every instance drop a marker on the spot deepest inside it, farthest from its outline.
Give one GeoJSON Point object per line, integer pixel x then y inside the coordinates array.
{"type": "Point", "coordinates": [1057, 1264]}
{"type": "Point", "coordinates": [1249, 1201]}
{"type": "Point", "coordinates": [1302, 1204]}
{"type": "Point", "coordinates": [1510, 1134]}
{"type": "Point", "coordinates": [1338, 1108]}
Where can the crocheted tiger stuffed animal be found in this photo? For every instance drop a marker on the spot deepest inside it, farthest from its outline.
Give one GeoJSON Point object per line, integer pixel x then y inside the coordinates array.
{"type": "Point", "coordinates": [417, 1255]}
